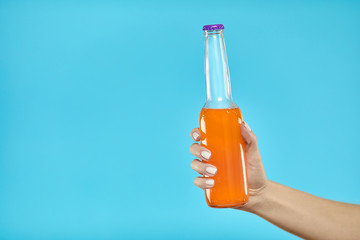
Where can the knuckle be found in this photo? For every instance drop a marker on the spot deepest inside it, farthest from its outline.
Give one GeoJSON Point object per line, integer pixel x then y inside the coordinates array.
{"type": "Point", "coordinates": [198, 166]}
{"type": "Point", "coordinates": [193, 164]}
{"type": "Point", "coordinates": [194, 147]}
{"type": "Point", "coordinates": [254, 136]}
{"type": "Point", "coordinates": [254, 139]}
{"type": "Point", "coordinates": [197, 181]}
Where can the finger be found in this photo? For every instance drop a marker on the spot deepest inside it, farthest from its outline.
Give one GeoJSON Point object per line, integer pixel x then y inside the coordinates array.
{"type": "Point", "coordinates": [195, 134]}
{"type": "Point", "coordinates": [203, 168]}
{"type": "Point", "coordinates": [248, 136]}
{"type": "Point", "coordinates": [204, 183]}
{"type": "Point", "coordinates": [200, 152]}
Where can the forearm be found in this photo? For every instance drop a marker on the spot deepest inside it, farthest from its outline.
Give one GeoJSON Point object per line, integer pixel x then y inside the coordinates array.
{"type": "Point", "coordinates": [305, 215]}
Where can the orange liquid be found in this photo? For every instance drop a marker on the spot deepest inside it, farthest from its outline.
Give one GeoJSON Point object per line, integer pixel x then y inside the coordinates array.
{"type": "Point", "coordinates": [220, 133]}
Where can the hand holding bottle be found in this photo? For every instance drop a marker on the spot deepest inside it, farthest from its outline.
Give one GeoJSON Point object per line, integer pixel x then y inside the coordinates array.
{"type": "Point", "coordinates": [297, 212]}
{"type": "Point", "coordinates": [255, 170]}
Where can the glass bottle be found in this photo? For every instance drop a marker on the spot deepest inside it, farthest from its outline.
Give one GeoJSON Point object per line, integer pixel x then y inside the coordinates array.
{"type": "Point", "coordinates": [219, 122]}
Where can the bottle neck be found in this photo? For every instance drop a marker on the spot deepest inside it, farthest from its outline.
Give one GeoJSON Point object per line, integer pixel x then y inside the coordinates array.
{"type": "Point", "coordinates": [218, 87]}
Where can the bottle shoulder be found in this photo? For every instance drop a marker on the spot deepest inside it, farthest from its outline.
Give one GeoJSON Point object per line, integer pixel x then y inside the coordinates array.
{"type": "Point", "coordinates": [220, 104]}
{"type": "Point", "coordinates": [219, 113]}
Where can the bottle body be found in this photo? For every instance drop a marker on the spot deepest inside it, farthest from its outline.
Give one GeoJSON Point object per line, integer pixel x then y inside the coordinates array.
{"type": "Point", "coordinates": [220, 133]}
{"type": "Point", "coordinates": [219, 124]}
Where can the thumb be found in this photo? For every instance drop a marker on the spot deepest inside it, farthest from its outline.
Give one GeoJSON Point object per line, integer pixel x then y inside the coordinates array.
{"type": "Point", "coordinates": [255, 168]}
{"type": "Point", "coordinates": [249, 137]}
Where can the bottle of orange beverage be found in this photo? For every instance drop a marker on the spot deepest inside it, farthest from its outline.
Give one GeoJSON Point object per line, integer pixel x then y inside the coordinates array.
{"type": "Point", "coordinates": [219, 122]}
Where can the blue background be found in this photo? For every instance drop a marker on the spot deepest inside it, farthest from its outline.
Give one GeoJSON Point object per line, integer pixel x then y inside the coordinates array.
{"type": "Point", "coordinates": [97, 100]}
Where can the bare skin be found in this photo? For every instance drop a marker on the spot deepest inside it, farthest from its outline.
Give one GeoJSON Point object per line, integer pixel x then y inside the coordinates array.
{"type": "Point", "coordinates": [297, 212]}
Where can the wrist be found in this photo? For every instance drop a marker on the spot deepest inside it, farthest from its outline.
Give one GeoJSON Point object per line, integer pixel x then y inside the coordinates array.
{"type": "Point", "coordinates": [257, 198]}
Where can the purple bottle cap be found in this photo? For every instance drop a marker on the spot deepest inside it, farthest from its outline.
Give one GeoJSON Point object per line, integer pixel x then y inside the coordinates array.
{"type": "Point", "coordinates": [213, 27]}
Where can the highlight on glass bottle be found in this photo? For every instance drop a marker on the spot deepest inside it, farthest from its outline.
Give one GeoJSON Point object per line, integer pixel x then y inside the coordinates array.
{"type": "Point", "coordinates": [219, 124]}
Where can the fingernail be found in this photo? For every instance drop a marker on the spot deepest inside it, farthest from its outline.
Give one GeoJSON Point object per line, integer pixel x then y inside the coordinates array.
{"type": "Point", "coordinates": [247, 126]}
{"type": "Point", "coordinates": [211, 170]}
{"type": "Point", "coordinates": [195, 135]}
{"type": "Point", "coordinates": [210, 182]}
{"type": "Point", "coordinates": [205, 154]}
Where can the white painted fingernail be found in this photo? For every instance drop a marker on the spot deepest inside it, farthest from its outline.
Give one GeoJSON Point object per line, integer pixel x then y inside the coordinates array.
{"type": "Point", "coordinates": [247, 126]}
{"type": "Point", "coordinates": [210, 182]}
{"type": "Point", "coordinates": [206, 154]}
{"type": "Point", "coordinates": [211, 170]}
{"type": "Point", "coordinates": [195, 135]}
